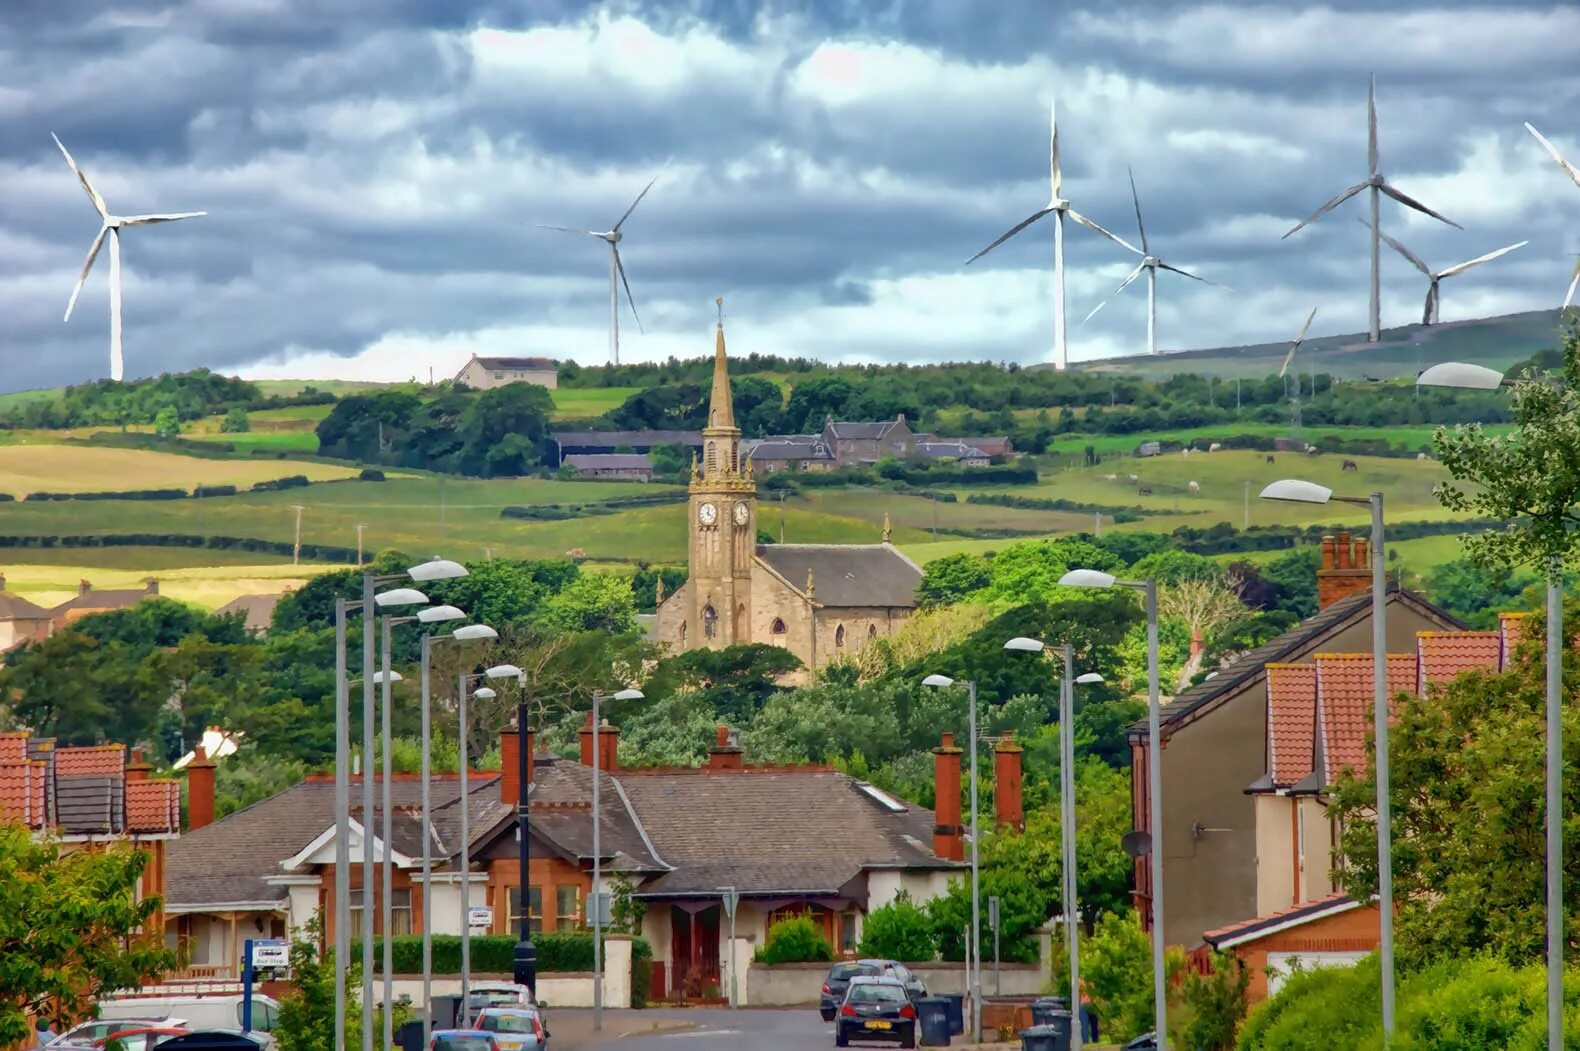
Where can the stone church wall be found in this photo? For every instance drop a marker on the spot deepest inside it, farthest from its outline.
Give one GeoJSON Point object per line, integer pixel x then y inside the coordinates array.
{"type": "Point", "coordinates": [772, 600]}
{"type": "Point", "coordinates": [671, 615]}
{"type": "Point", "coordinates": [861, 624]}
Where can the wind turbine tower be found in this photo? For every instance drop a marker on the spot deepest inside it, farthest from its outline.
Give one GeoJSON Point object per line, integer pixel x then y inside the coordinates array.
{"type": "Point", "coordinates": [613, 236]}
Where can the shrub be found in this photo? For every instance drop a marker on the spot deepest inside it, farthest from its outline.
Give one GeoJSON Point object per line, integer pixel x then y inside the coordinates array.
{"type": "Point", "coordinates": [641, 972]}
{"type": "Point", "coordinates": [1116, 965]}
{"type": "Point", "coordinates": [214, 490]}
{"type": "Point", "coordinates": [558, 952]}
{"type": "Point", "coordinates": [293, 481]}
{"type": "Point", "coordinates": [796, 939]}
{"type": "Point", "coordinates": [371, 474]}
{"type": "Point", "coordinates": [235, 422]}
{"type": "Point", "coordinates": [900, 930]}
{"type": "Point", "coordinates": [1214, 1005]}
{"type": "Point", "coordinates": [6, 498]}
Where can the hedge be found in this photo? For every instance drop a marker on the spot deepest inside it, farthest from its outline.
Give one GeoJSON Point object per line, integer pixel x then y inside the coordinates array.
{"type": "Point", "coordinates": [214, 490]}
{"type": "Point", "coordinates": [129, 494]}
{"type": "Point", "coordinates": [559, 952]}
{"type": "Point", "coordinates": [371, 474]}
{"type": "Point", "coordinates": [6, 498]}
{"type": "Point", "coordinates": [315, 552]}
{"type": "Point", "coordinates": [292, 481]}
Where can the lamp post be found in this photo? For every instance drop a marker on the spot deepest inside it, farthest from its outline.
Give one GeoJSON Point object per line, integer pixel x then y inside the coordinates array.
{"type": "Point", "coordinates": [1478, 377]}
{"type": "Point", "coordinates": [1298, 491]}
{"type": "Point", "coordinates": [1091, 578]}
{"type": "Point", "coordinates": [974, 976]}
{"type": "Point", "coordinates": [1067, 683]}
{"type": "Point", "coordinates": [597, 873]}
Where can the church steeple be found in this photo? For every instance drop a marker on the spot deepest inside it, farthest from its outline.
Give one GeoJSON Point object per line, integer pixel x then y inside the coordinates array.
{"type": "Point", "coordinates": [721, 405]}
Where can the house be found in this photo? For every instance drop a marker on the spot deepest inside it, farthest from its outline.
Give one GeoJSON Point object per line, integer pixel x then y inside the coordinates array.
{"type": "Point", "coordinates": [1332, 931]}
{"type": "Point", "coordinates": [257, 611]}
{"type": "Point", "coordinates": [864, 444]}
{"type": "Point", "coordinates": [20, 620]}
{"type": "Point", "coordinates": [1215, 738]}
{"type": "Point", "coordinates": [572, 443]}
{"type": "Point", "coordinates": [1000, 447]}
{"type": "Point", "coordinates": [488, 373]}
{"type": "Point", "coordinates": [963, 453]}
{"type": "Point", "coordinates": [628, 467]}
{"type": "Point", "coordinates": [795, 452]}
{"type": "Point", "coordinates": [90, 600]}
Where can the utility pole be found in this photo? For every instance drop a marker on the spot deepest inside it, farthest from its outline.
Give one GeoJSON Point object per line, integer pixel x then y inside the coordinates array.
{"type": "Point", "coordinates": [360, 560]}
{"type": "Point", "coordinates": [1246, 524]}
{"type": "Point", "coordinates": [296, 546]}
{"type": "Point", "coordinates": [1237, 395]}
{"type": "Point", "coordinates": [781, 516]}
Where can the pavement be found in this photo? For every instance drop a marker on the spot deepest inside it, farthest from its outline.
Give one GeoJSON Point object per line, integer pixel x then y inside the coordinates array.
{"type": "Point", "coordinates": [702, 1029]}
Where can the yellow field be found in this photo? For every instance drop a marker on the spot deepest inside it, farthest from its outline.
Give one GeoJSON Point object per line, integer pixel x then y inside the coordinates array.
{"type": "Point", "coordinates": [78, 469]}
{"type": "Point", "coordinates": [206, 586]}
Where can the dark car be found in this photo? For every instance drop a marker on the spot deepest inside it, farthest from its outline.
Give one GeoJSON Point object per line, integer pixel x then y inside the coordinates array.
{"type": "Point", "coordinates": [462, 1040]}
{"type": "Point", "coordinates": [875, 1008]}
{"type": "Point", "coordinates": [838, 980]}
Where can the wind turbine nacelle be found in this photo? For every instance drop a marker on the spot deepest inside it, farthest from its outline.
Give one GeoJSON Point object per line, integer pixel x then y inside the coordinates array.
{"type": "Point", "coordinates": [1151, 261]}
{"type": "Point", "coordinates": [1058, 204]}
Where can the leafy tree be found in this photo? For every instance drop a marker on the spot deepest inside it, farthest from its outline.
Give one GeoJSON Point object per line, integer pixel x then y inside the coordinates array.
{"type": "Point", "coordinates": [1476, 594]}
{"type": "Point", "coordinates": [72, 930]}
{"type": "Point", "coordinates": [816, 398]}
{"type": "Point", "coordinates": [644, 584]}
{"type": "Point", "coordinates": [735, 681]}
{"type": "Point", "coordinates": [759, 405]}
{"type": "Point", "coordinates": [1293, 577]}
{"type": "Point", "coordinates": [307, 1011]}
{"type": "Point", "coordinates": [900, 930]}
{"type": "Point", "coordinates": [503, 430]}
{"type": "Point", "coordinates": [795, 939]}
{"type": "Point", "coordinates": [592, 602]}
{"type": "Point", "coordinates": [1214, 1005]}
{"type": "Point", "coordinates": [236, 421]}
{"type": "Point", "coordinates": [167, 423]}
{"type": "Point", "coordinates": [1116, 967]}
{"type": "Point", "coordinates": [953, 578]}
{"type": "Point", "coordinates": [673, 731]}
{"type": "Point", "coordinates": [1173, 566]}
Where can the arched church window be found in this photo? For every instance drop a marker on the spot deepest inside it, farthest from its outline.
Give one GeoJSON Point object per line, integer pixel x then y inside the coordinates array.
{"type": "Point", "coordinates": [712, 458]}
{"type": "Point", "coordinates": [709, 621]}
{"type": "Point", "coordinates": [839, 637]}
{"type": "Point", "coordinates": [777, 627]}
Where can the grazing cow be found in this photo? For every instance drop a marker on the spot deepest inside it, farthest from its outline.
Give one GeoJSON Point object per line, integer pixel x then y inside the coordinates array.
{"type": "Point", "coordinates": [1185, 451]}
{"type": "Point", "coordinates": [1349, 465]}
{"type": "Point", "coordinates": [1145, 490]}
{"type": "Point", "coordinates": [1193, 487]}
{"type": "Point", "coordinates": [1422, 456]}
{"type": "Point", "coordinates": [1312, 450]}
{"type": "Point", "coordinates": [1214, 447]}
{"type": "Point", "coordinates": [1269, 457]}
{"type": "Point", "coordinates": [1110, 478]}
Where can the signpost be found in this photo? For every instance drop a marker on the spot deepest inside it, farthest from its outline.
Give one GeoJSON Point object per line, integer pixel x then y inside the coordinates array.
{"type": "Point", "coordinates": [731, 898]}
{"type": "Point", "coordinates": [998, 977]}
{"type": "Point", "coordinates": [600, 909]}
{"type": "Point", "coordinates": [263, 954]}
{"type": "Point", "coordinates": [480, 917]}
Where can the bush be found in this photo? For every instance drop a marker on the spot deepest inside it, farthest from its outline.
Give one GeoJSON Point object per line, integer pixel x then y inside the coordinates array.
{"type": "Point", "coordinates": [293, 481]}
{"type": "Point", "coordinates": [214, 490]}
{"type": "Point", "coordinates": [900, 930]}
{"type": "Point", "coordinates": [371, 474]}
{"type": "Point", "coordinates": [1214, 1005]}
{"type": "Point", "coordinates": [1116, 965]}
{"type": "Point", "coordinates": [641, 972]}
{"type": "Point", "coordinates": [796, 939]}
{"type": "Point", "coordinates": [6, 498]}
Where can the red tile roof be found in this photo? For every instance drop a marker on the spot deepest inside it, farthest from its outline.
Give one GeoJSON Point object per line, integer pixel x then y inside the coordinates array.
{"type": "Point", "coordinates": [13, 747]}
{"type": "Point", "coordinates": [1291, 722]}
{"type": "Point", "coordinates": [153, 806]}
{"type": "Point", "coordinates": [1442, 655]}
{"type": "Point", "coordinates": [1512, 627]}
{"type": "Point", "coordinates": [90, 759]}
{"type": "Point", "coordinates": [22, 792]}
{"type": "Point", "coordinates": [1344, 704]}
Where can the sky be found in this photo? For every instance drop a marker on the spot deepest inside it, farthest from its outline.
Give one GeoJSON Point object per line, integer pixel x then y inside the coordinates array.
{"type": "Point", "coordinates": [374, 172]}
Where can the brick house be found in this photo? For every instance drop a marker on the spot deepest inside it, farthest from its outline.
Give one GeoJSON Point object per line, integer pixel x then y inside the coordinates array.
{"type": "Point", "coordinates": [864, 444]}
{"type": "Point", "coordinates": [1332, 931]}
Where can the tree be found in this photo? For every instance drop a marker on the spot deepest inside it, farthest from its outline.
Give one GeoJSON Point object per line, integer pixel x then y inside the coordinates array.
{"type": "Point", "coordinates": [503, 430]}
{"type": "Point", "coordinates": [900, 930]}
{"type": "Point", "coordinates": [735, 681]}
{"type": "Point", "coordinates": [72, 930]}
{"type": "Point", "coordinates": [1293, 578]}
{"type": "Point", "coordinates": [591, 602]}
{"type": "Point", "coordinates": [953, 578]}
{"type": "Point", "coordinates": [236, 421]}
{"type": "Point", "coordinates": [1474, 593]}
{"type": "Point", "coordinates": [1116, 967]}
{"type": "Point", "coordinates": [307, 1012]}
{"type": "Point", "coordinates": [1207, 605]}
{"type": "Point", "coordinates": [167, 423]}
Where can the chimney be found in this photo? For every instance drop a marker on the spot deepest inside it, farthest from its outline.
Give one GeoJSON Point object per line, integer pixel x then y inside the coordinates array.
{"type": "Point", "coordinates": [1007, 785]}
{"type": "Point", "coordinates": [725, 754]}
{"type": "Point", "coordinates": [153, 587]}
{"type": "Point", "coordinates": [83, 587]}
{"type": "Point", "coordinates": [510, 764]}
{"type": "Point", "coordinates": [949, 840]}
{"type": "Point", "coordinates": [1345, 569]}
{"type": "Point", "coordinates": [1197, 644]}
{"type": "Point", "coordinates": [138, 768]}
{"type": "Point", "coordinates": [608, 744]}
{"type": "Point", "coordinates": [200, 791]}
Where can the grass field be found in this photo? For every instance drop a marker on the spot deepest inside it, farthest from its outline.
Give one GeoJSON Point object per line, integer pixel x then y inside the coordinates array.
{"type": "Point", "coordinates": [585, 403]}
{"type": "Point", "coordinates": [206, 586]}
{"type": "Point", "coordinates": [81, 469]}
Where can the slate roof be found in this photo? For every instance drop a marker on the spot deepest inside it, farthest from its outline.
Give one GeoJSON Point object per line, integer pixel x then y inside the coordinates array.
{"type": "Point", "coordinates": [861, 431]}
{"type": "Point", "coordinates": [89, 600]}
{"type": "Point", "coordinates": [1442, 655]}
{"type": "Point", "coordinates": [15, 607]}
{"type": "Point", "coordinates": [533, 364]}
{"type": "Point", "coordinates": [1291, 722]}
{"type": "Point", "coordinates": [943, 449]}
{"type": "Point", "coordinates": [257, 610]}
{"type": "Point", "coordinates": [847, 574]}
{"type": "Point", "coordinates": [1344, 705]}
{"type": "Point", "coordinates": [90, 804]}
{"type": "Point", "coordinates": [610, 461]}
{"type": "Point", "coordinates": [776, 449]}
{"type": "Point", "coordinates": [635, 439]}
{"type": "Point", "coordinates": [770, 831]}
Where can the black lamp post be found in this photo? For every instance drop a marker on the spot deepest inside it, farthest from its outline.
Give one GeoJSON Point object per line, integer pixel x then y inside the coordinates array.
{"type": "Point", "coordinates": [525, 963]}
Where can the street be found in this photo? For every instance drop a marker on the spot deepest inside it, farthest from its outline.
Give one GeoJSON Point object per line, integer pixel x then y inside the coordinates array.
{"type": "Point", "coordinates": [707, 1029]}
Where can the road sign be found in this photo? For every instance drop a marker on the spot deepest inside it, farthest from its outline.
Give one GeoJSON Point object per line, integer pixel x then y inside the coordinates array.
{"type": "Point", "coordinates": [732, 898]}
{"type": "Point", "coordinates": [270, 952]}
{"type": "Point", "coordinates": [600, 909]}
{"type": "Point", "coordinates": [993, 913]}
{"type": "Point", "coordinates": [480, 916]}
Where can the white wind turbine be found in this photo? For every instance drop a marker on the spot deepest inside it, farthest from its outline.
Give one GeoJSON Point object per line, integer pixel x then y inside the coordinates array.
{"type": "Point", "coordinates": [1378, 186]}
{"type": "Point", "coordinates": [1431, 315]}
{"type": "Point", "coordinates": [1574, 173]}
{"type": "Point", "coordinates": [1151, 264]}
{"type": "Point", "coordinates": [1058, 207]}
{"type": "Point", "coordinates": [616, 270]}
{"type": "Point", "coordinates": [1294, 396]}
{"type": "Point", "coordinates": [110, 226]}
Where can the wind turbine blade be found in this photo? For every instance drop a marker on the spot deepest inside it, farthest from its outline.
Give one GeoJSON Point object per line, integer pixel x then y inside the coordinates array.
{"type": "Point", "coordinates": [1401, 249]}
{"type": "Point", "coordinates": [1371, 126]}
{"type": "Point", "coordinates": [1084, 221]}
{"type": "Point", "coordinates": [1325, 209]}
{"type": "Point", "coordinates": [1569, 296]}
{"type": "Point", "coordinates": [1017, 228]}
{"type": "Point", "coordinates": [93, 253]}
{"type": "Point", "coordinates": [1298, 341]}
{"type": "Point", "coordinates": [1410, 202]}
{"type": "Point", "coordinates": [98, 202]}
{"type": "Point", "coordinates": [1431, 303]}
{"type": "Point", "coordinates": [1460, 268]}
{"type": "Point", "coordinates": [619, 266]}
{"type": "Point", "coordinates": [1055, 176]}
{"type": "Point", "coordinates": [169, 217]}
{"type": "Point", "coordinates": [1122, 286]}
{"type": "Point", "coordinates": [1183, 273]}
{"type": "Point", "coordinates": [1574, 173]}
{"type": "Point", "coordinates": [1145, 250]}
{"type": "Point", "coordinates": [636, 202]}
{"type": "Point", "coordinates": [568, 230]}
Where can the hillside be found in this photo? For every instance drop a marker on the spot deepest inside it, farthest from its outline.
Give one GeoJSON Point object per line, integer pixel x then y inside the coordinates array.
{"type": "Point", "coordinates": [1496, 342]}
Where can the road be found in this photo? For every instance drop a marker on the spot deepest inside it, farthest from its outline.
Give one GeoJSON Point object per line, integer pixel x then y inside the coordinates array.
{"type": "Point", "coordinates": [714, 1030]}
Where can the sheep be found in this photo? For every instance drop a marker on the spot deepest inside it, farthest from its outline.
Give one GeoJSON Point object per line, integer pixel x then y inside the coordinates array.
{"type": "Point", "coordinates": [1214, 447]}
{"type": "Point", "coordinates": [1193, 487]}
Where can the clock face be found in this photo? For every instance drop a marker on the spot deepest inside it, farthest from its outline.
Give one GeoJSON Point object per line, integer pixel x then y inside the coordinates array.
{"type": "Point", "coordinates": [743, 513]}
{"type": "Point", "coordinates": [707, 514]}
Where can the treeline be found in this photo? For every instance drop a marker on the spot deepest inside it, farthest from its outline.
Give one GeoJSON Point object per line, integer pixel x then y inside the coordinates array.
{"type": "Point", "coordinates": [275, 485]}
{"type": "Point", "coordinates": [483, 434]}
{"type": "Point", "coordinates": [190, 395]}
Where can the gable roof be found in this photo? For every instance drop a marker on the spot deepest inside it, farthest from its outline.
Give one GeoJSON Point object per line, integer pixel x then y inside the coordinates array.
{"type": "Point", "coordinates": [15, 607]}
{"type": "Point", "coordinates": [1300, 640]}
{"type": "Point", "coordinates": [789, 449]}
{"type": "Point", "coordinates": [1291, 722]}
{"type": "Point", "coordinates": [734, 827]}
{"type": "Point", "coordinates": [527, 364]}
{"type": "Point", "coordinates": [1282, 920]}
{"type": "Point", "coordinates": [847, 574]}
{"type": "Point", "coordinates": [1442, 655]}
{"type": "Point", "coordinates": [257, 610]}
{"type": "Point", "coordinates": [959, 450]}
{"type": "Point", "coordinates": [595, 440]}
{"type": "Point", "coordinates": [858, 431]}
{"type": "Point", "coordinates": [89, 600]}
{"type": "Point", "coordinates": [1344, 705]}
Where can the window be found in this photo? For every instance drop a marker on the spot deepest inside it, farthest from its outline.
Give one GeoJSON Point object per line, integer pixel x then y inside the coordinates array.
{"type": "Point", "coordinates": [839, 637]}
{"type": "Point", "coordinates": [709, 620]}
{"type": "Point", "coordinates": [400, 911]}
{"type": "Point", "coordinates": [682, 634]}
{"type": "Point", "coordinates": [567, 907]}
{"type": "Point", "coordinates": [358, 929]}
{"type": "Point", "coordinates": [847, 931]}
{"type": "Point", "coordinates": [712, 458]}
{"type": "Point", "coordinates": [778, 627]}
{"type": "Point", "coordinates": [534, 903]}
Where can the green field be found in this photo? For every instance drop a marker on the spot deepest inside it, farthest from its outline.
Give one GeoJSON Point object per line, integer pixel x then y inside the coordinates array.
{"type": "Point", "coordinates": [206, 586]}
{"type": "Point", "coordinates": [86, 469]}
{"type": "Point", "coordinates": [585, 403]}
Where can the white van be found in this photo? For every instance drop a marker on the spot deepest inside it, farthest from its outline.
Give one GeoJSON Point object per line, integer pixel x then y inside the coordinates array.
{"type": "Point", "coordinates": [200, 1012]}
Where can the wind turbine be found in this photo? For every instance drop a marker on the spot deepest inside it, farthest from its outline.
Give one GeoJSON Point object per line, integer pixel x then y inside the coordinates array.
{"type": "Point", "coordinates": [110, 226]}
{"type": "Point", "coordinates": [1058, 207]}
{"type": "Point", "coordinates": [1431, 315]}
{"type": "Point", "coordinates": [1574, 173]}
{"type": "Point", "coordinates": [616, 269]}
{"type": "Point", "coordinates": [1151, 264]}
{"type": "Point", "coordinates": [1294, 398]}
{"type": "Point", "coordinates": [1378, 186]}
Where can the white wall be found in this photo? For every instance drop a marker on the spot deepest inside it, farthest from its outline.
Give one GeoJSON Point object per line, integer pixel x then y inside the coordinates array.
{"type": "Point", "coordinates": [884, 885]}
{"type": "Point", "coordinates": [302, 905]}
{"type": "Point", "coordinates": [1280, 964]}
{"type": "Point", "coordinates": [446, 912]}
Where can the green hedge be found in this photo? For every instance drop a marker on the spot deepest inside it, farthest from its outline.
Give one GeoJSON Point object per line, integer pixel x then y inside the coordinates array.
{"type": "Point", "coordinates": [312, 552]}
{"type": "Point", "coordinates": [214, 490]}
{"type": "Point", "coordinates": [641, 972]}
{"type": "Point", "coordinates": [559, 952]}
{"type": "Point", "coordinates": [129, 494]}
{"type": "Point", "coordinates": [290, 481]}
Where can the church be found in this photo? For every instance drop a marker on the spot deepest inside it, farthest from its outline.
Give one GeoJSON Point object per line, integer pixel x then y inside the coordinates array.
{"type": "Point", "coordinates": [821, 602]}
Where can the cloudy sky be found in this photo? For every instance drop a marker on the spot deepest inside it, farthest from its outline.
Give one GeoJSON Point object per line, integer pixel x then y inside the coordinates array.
{"type": "Point", "coordinates": [373, 170]}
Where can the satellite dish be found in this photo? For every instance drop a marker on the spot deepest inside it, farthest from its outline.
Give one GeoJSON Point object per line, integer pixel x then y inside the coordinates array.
{"type": "Point", "coordinates": [1137, 844]}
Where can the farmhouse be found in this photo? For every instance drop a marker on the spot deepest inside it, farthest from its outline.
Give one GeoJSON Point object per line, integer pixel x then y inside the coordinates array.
{"type": "Point", "coordinates": [488, 373]}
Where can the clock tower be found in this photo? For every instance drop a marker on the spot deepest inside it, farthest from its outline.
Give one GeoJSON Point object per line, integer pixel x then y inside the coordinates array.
{"type": "Point", "coordinates": [723, 522]}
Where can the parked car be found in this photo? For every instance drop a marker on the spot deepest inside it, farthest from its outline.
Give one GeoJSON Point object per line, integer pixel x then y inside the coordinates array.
{"type": "Point", "coordinates": [875, 1008]}
{"type": "Point", "coordinates": [499, 994]}
{"type": "Point", "coordinates": [200, 1012]}
{"type": "Point", "coordinates": [514, 1028]}
{"type": "Point", "coordinates": [838, 980]}
{"type": "Point", "coordinates": [87, 1034]}
{"type": "Point", "coordinates": [462, 1040]}
{"type": "Point", "coordinates": [914, 987]}
{"type": "Point", "coordinates": [138, 1037]}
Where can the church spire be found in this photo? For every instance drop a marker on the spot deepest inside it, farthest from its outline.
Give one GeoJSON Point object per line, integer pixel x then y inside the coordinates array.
{"type": "Point", "coordinates": [721, 406]}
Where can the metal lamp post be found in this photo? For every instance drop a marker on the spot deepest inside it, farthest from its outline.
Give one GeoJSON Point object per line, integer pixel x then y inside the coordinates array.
{"type": "Point", "coordinates": [1067, 682]}
{"type": "Point", "coordinates": [975, 976]}
{"type": "Point", "coordinates": [1297, 491]}
{"type": "Point", "coordinates": [597, 852]}
{"type": "Point", "coordinates": [1477, 377]}
{"type": "Point", "coordinates": [1091, 578]}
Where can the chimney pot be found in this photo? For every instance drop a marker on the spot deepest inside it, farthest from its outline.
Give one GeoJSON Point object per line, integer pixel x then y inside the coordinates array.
{"type": "Point", "coordinates": [1344, 569]}
{"type": "Point", "coordinates": [1343, 550]}
{"type": "Point", "coordinates": [948, 833]}
{"type": "Point", "coordinates": [83, 587]}
{"type": "Point", "coordinates": [724, 755]}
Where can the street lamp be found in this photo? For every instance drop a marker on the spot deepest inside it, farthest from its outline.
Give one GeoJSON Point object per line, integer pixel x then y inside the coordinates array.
{"type": "Point", "coordinates": [597, 873]}
{"type": "Point", "coordinates": [1092, 578]}
{"type": "Point", "coordinates": [498, 671]}
{"type": "Point", "coordinates": [1297, 491]}
{"type": "Point", "coordinates": [974, 976]}
{"type": "Point", "coordinates": [1478, 377]}
{"type": "Point", "coordinates": [1066, 811]}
